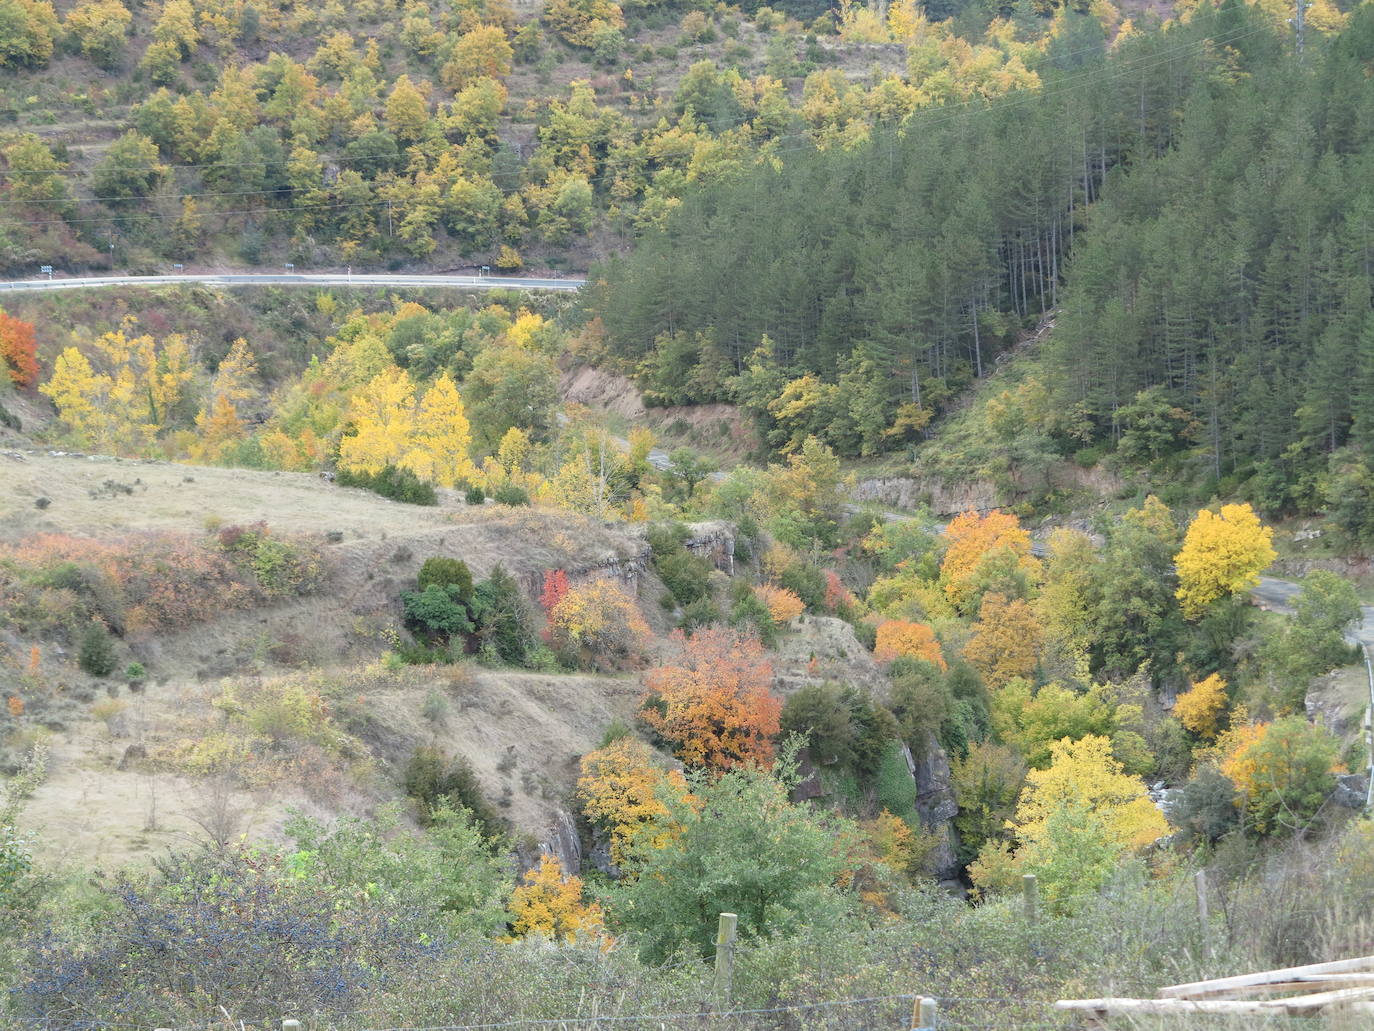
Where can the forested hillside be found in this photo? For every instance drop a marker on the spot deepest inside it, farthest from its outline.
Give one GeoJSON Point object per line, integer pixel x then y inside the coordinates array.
{"type": "Point", "coordinates": [481, 131]}
{"type": "Point", "coordinates": [1194, 208]}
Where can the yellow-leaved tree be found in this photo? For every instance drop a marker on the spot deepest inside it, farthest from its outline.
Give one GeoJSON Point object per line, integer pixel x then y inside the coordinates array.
{"type": "Point", "coordinates": [442, 439]}
{"type": "Point", "coordinates": [1201, 707]}
{"type": "Point", "coordinates": [1075, 820]}
{"type": "Point", "coordinates": [1006, 640]}
{"type": "Point", "coordinates": [219, 421]}
{"type": "Point", "coordinates": [123, 396]}
{"type": "Point", "coordinates": [628, 795]}
{"type": "Point", "coordinates": [549, 903]}
{"type": "Point", "coordinates": [430, 438]}
{"type": "Point", "coordinates": [383, 418]}
{"type": "Point", "coordinates": [1223, 554]}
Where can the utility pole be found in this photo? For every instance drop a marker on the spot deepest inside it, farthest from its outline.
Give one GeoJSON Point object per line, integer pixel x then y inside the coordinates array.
{"type": "Point", "coordinates": [1300, 21]}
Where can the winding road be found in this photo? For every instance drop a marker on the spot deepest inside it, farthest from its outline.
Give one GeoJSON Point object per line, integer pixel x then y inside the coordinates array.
{"type": "Point", "coordinates": [430, 281]}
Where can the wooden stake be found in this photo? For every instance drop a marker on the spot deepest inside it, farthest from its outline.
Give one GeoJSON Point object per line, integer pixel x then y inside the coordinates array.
{"type": "Point", "coordinates": [726, 932]}
{"type": "Point", "coordinates": [928, 1013]}
{"type": "Point", "coordinates": [1031, 892]}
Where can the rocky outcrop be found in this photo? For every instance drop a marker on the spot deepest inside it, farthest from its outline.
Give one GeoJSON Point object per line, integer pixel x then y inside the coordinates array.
{"type": "Point", "coordinates": [560, 840]}
{"type": "Point", "coordinates": [935, 803]}
{"type": "Point", "coordinates": [943, 498]}
{"type": "Point", "coordinates": [714, 542]}
{"type": "Point", "coordinates": [947, 497]}
{"type": "Point", "coordinates": [820, 649]}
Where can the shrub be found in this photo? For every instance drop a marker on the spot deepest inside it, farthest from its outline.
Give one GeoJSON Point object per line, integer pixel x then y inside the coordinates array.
{"type": "Point", "coordinates": [600, 620]}
{"type": "Point", "coordinates": [1206, 807]}
{"type": "Point", "coordinates": [97, 654]}
{"type": "Point", "coordinates": [806, 582]}
{"type": "Point", "coordinates": [685, 576]}
{"type": "Point", "coordinates": [504, 618]}
{"type": "Point", "coordinates": [475, 495]}
{"type": "Point", "coordinates": [280, 567]}
{"type": "Point", "coordinates": [436, 782]}
{"type": "Point", "coordinates": [436, 612]}
{"type": "Point", "coordinates": [391, 482]}
{"type": "Point", "coordinates": [702, 612]}
{"type": "Point", "coordinates": [842, 725]}
{"type": "Point", "coordinates": [297, 947]}
{"type": "Point", "coordinates": [447, 573]}
{"type": "Point", "coordinates": [511, 494]}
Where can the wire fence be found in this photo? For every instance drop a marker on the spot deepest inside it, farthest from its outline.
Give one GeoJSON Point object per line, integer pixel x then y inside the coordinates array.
{"type": "Point", "coordinates": [897, 1012]}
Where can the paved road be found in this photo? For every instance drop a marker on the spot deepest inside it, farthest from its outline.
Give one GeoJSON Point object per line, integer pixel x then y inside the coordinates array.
{"type": "Point", "coordinates": [1278, 595]}
{"type": "Point", "coordinates": [304, 279]}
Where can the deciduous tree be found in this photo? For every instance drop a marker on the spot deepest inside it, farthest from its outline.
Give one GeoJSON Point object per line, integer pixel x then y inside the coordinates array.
{"type": "Point", "coordinates": [1223, 554]}
{"type": "Point", "coordinates": [714, 705]}
{"type": "Point", "coordinates": [549, 902]}
{"type": "Point", "coordinates": [898, 638]}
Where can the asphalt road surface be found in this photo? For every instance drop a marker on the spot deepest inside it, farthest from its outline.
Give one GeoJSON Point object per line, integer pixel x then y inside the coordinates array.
{"type": "Point", "coordinates": [292, 279]}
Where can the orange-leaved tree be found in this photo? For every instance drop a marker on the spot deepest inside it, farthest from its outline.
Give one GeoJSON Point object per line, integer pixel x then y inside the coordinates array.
{"type": "Point", "coordinates": [783, 605]}
{"type": "Point", "coordinates": [714, 705]}
{"type": "Point", "coordinates": [219, 421]}
{"type": "Point", "coordinates": [18, 353]}
{"type": "Point", "coordinates": [600, 620]}
{"type": "Point", "coordinates": [551, 904]}
{"type": "Point", "coordinates": [629, 796]}
{"type": "Point", "coordinates": [970, 538]}
{"type": "Point", "coordinates": [1006, 640]}
{"type": "Point", "coordinates": [898, 638]}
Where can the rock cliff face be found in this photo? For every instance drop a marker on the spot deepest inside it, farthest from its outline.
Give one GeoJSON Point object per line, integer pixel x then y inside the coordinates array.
{"type": "Point", "coordinates": [950, 497]}
{"type": "Point", "coordinates": [822, 649]}
{"type": "Point", "coordinates": [936, 805]}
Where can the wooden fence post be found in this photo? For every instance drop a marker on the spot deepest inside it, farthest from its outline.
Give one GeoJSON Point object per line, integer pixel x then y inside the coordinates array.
{"type": "Point", "coordinates": [923, 1013]}
{"type": "Point", "coordinates": [1031, 892]}
{"type": "Point", "coordinates": [726, 932]}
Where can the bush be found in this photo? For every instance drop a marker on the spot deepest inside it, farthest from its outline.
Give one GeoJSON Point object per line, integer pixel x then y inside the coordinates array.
{"type": "Point", "coordinates": [436, 782]}
{"type": "Point", "coordinates": [600, 621]}
{"type": "Point", "coordinates": [685, 576]}
{"type": "Point", "coordinates": [475, 495]}
{"type": "Point", "coordinates": [806, 582]}
{"type": "Point", "coordinates": [436, 612]}
{"type": "Point", "coordinates": [97, 654]}
{"type": "Point", "coordinates": [702, 612]}
{"type": "Point", "coordinates": [298, 947]}
{"type": "Point", "coordinates": [504, 618]}
{"type": "Point", "coordinates": [842, 725]}
{"type": "Point", "coordinates": [512, 495]}
{"type": "Point", "coordinates": [447, 573]}
{"type": "Point", "coordinates": [1206, 807]}
{"type": "Point", "coordinates": [665, 538]}
{"type": "Point", "coordinates": [391, 482]}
